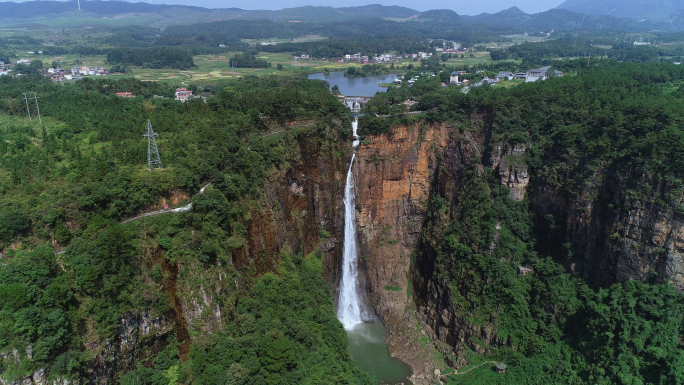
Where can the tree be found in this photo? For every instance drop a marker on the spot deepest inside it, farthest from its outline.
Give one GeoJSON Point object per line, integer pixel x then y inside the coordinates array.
{"type": "Point", "coordinates": [277, 357]}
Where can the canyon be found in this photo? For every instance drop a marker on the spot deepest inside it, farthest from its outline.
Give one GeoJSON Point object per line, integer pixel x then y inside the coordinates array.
{"type": "Point", "coordinates": [397, 176]}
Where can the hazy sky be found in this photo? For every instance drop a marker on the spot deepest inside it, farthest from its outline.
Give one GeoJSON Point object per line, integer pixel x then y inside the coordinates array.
{"type": "Point", "coordinates": [463, 7]}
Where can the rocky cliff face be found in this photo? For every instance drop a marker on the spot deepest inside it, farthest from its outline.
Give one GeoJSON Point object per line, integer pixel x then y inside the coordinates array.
{"type": "Point", "coordinates": [608, 238]}
{"type": "Point", "coordinates": [393, 177]}
{"type": "Point", "coordinates": [604, 238]}
{"type": "Point", "coordinates": [138, 336]}
{"type": "Point", "coordinates": [300, 208]}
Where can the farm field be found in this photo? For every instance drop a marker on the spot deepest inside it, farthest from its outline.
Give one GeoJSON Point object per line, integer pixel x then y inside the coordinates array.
{"type": "Point", "coordinates": [479, 58]}
{"type": "Point", "coordinates": [301, 39]}
{"type": "Point", "coordinates": [217, 66]}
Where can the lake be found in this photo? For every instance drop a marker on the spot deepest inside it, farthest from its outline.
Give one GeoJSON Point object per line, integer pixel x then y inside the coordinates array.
{"type": "Point", "coordinates": [355, 85]}
{"type": "Point", "coordinates": [367, 347]}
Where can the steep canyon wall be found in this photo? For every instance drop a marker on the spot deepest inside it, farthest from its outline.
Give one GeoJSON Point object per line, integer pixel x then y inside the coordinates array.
{"type": "Point", "coordinates": [596, 233]}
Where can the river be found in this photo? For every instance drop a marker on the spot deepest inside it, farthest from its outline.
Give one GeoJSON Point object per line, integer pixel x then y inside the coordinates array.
{"type": "Point", "coordinates": [355, 85]}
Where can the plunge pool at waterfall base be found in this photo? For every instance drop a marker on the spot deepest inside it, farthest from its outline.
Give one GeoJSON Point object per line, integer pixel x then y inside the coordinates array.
{"type": "Point", "coordinates": [367, 347]}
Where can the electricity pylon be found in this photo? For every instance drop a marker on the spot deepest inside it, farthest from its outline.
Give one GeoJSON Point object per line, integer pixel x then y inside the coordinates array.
{"type": "Point", "coordinates": [153, 158]}
{"type": "Point", "coordinates": [26, 99]}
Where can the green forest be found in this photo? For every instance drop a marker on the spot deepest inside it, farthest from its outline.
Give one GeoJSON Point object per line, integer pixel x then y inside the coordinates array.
{"type": "Point", "coordinates": [72, 271]}
{"type": "Point", "coordinates": [152, 57]}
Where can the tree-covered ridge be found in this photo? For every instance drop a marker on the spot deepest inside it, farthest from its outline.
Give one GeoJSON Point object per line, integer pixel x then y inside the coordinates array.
{"type": "Point", "coordinates": [69, 185]}
{"type": "Point", "coordinates": [596, 45]}
{"type": "Point", "coordinates": [247, 60]}
{"type": "Point", "coordinates": [607, 139]}
{"type": "Point", "coordinates": [151, 57]}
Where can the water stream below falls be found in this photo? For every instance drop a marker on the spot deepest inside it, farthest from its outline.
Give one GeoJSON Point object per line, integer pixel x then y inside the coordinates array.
{"type": "Point", "coordinates": [365, 332]}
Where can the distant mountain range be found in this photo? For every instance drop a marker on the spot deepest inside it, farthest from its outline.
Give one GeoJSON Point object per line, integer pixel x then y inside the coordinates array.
{"type": "Point", "coordinates": [554, 19]}
{"type": "Point", "coordinates": [653, 10]}
{"type": "Point", "coordinates": [37, 9]}
{"type": "Point", "coordinates": [574, 15]}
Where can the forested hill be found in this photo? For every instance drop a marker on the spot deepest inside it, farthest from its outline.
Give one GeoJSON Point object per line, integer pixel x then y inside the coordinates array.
{"type": "Point", "coordinates": [635, 9]}
{"type": "Point", "coordinates": [505, 22]}
{"type": "Point", "coordinates": [181, 298]}
{"type": "Point", "coordinates": [556, 19]}
{"type": "Point", "coordinates": [180, 13]}
{"type": "Point", "coordinates": [30, 9]}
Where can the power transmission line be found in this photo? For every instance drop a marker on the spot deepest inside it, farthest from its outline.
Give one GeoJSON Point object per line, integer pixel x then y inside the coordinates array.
{"type": "Point", "coordinates": [28, 109]}
{"type": "Point", "coordinates": [153, 158]}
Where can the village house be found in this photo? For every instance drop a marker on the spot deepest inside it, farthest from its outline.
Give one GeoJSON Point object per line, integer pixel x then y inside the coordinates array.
{"type": "Point", "coordinates": [24, 61]}
{"type": "Point", "coordinates": [4, 72]}
{"type": "Point", "coordinates": [536, 74]}
{"type": "Point", "coordinates": [2, 65]}
{"type": "Point", "coordinates": [453, 79]}
{"type": "Point", "coordinates": [183, 94]}
{"type": "Point", "coordinates": [125, 95]}
{"type": "Point", "coordinates": [385, 58]}
{"type": "Point", "coordinates": [505, 75]}
{"type": "Point", "coordinates": [540, 74]}
{"type": "Point", "coordinates": [357, 57]}
{"type": "Point", "coordinates": [301, 57]}
{"type": "Point", "coordinates": [89, 71]}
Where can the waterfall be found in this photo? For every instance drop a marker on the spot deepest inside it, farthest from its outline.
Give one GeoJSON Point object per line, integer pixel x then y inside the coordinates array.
{"type": "Point", "coordinates": [355, 127]}
{"type": "Point", "coordinates": [349, 310]}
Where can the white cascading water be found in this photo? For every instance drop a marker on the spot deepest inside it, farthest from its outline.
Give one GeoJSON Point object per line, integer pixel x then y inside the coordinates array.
{"type": "Point", "coordinates": [355, 127]}
{"type": "Point", "coordinates": [349, 309]}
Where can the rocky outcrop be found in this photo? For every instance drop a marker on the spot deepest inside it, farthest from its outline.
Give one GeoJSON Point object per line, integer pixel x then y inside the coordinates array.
{"type": "Point", "coordinates": [511, 168]}
{"type": "Point", "coordinates": [37, 377]}
{"type": "Point", "coordinates": [139, 336]}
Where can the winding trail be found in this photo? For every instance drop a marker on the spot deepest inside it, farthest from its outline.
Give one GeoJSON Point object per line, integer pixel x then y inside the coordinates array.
{"type": "Point", "coordinates": [472, 141]}
{"type": "Point", "coordinates": [201, 191]}
{"type": "Point", "coordinates": [274, 133]}
{"type": "Point", "coordinates": [446, 376]}
{"type": "Point", "coordinates": [159, 212]}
